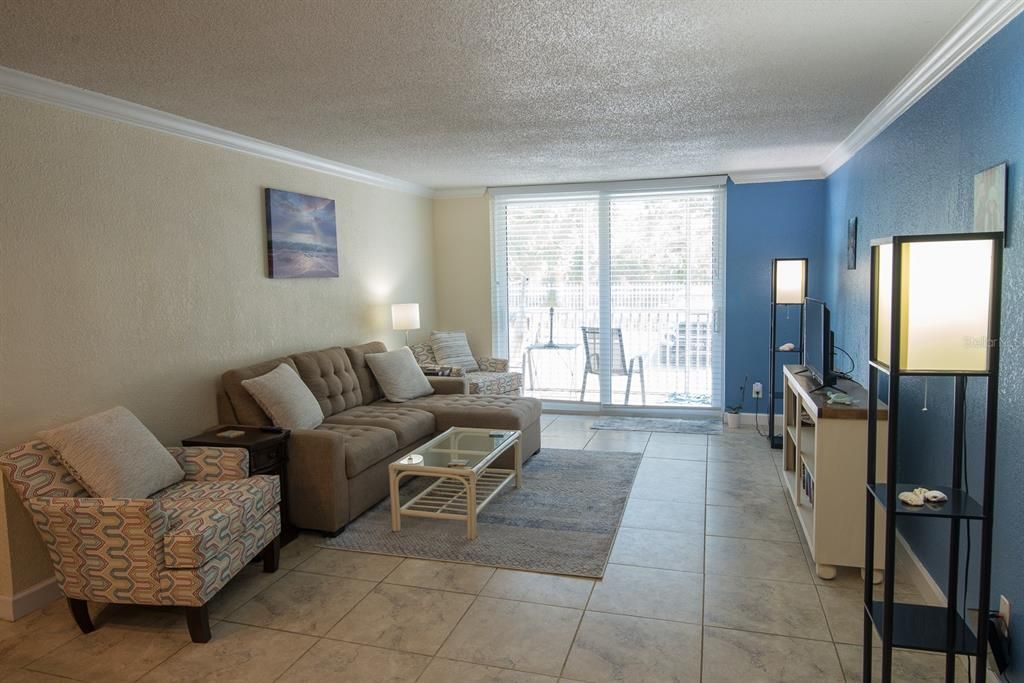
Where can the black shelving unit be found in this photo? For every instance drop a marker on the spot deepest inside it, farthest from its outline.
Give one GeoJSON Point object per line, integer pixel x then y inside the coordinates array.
{"type": "Point", "coordinates": [775, 440]}
{"type": "Point", "coordinates": [920, 627]}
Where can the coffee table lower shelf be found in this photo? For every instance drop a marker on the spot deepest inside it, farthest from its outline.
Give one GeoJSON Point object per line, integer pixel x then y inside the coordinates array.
{"type": "Point", "coordinates": [448, 498]}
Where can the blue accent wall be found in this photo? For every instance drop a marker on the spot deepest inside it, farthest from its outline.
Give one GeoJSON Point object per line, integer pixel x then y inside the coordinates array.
{"type": "Point", "coordinates": [766, 221]}
{"type": "Point", "coordinates": [917, 177]}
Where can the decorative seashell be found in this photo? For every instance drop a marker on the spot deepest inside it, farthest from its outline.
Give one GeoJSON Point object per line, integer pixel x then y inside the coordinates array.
{"type": "Point", "coordinates": [936, 497]}
{"type": "Point", "coordinates": [920, 491]}
{"type": "Point", "coordinates": [912, 498]}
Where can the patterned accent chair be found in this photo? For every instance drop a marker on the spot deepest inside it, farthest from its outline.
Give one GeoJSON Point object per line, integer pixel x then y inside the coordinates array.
{"type": "Point", "coordinates": [493, 378]}
{"type": "Point", "coordinates": [178, 547]}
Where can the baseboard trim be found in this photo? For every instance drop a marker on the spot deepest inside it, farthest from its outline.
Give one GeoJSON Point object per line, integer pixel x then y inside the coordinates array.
{"type": "Point", "coordinates": [760, 420]}
{"type": "Point", "coordinates": [929, 589]}
{"type": "Point", "coordinates": [926, 585]}
{"type": "Point", "coordinates": [29, 600]}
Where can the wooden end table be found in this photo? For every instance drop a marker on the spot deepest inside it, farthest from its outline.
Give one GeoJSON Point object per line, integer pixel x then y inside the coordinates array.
{"type": "Point", "coordinates": [268, 454]}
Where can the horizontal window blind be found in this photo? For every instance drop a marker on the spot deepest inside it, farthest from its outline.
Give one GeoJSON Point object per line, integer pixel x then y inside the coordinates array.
{"type": "Point", "coordinates": [641, 262]}
{"type": "Point", "coordinates": [665, 287]}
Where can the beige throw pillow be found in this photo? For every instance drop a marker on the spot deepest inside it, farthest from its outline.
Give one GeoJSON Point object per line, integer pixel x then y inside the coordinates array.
{"type": "Point", "coordinates": [398, 375]}
{"type": "Point", "coordinates": [452, 348]}
{"type": "Point", "coordinates": [285, 398]}
{"type": "Point", "coordinates": [113, 455]}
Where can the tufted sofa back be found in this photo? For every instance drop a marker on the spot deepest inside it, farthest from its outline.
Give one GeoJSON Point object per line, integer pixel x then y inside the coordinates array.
{"type": "Point", "coordinates": [367, 382]}
{"type": "Point", "coordinates": [329, 375]}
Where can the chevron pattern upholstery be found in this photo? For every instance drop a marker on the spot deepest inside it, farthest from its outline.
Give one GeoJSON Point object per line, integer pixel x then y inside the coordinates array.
{"type": "Point", "coordinates": [493, 377]}
{"type": "Point", "coordinates": [178, 547]}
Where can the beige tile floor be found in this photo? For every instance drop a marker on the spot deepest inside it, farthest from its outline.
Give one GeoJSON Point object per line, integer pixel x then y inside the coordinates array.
{"type": "Point", "coordinates": [705, 583]}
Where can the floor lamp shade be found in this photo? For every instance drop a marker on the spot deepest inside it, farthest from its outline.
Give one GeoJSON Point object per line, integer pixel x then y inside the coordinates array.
{"type": "Point", "coordinates": [405, 316]}
{"type": "Point", "coordinates": [936, 291]}
{"type": "Point", "coordinates": [789, 280]}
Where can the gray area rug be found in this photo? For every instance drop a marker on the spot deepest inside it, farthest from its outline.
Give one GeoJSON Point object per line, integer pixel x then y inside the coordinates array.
{"type": "Point", "coordinates": [657, 424]}
{"type": "Point", "coordinates": [562, 521]}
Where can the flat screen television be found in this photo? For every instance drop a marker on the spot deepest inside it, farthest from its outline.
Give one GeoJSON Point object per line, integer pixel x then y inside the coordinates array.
{"type": "Point", "coordinates": [818, 342]}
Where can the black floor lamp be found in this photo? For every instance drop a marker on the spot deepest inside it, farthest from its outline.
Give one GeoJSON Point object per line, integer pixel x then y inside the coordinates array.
{"type": "Point", "coordinates": [935, 307]}
{"type": "Point", "coordinates": [789, 288]}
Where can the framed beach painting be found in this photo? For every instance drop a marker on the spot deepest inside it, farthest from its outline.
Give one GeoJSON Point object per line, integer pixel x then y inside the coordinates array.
{"type": "Point", "coordinates": [302, 235]}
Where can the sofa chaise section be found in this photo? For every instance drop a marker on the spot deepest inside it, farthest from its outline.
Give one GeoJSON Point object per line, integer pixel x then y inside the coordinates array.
{"type": "Point", "coordinates": [338, 470]}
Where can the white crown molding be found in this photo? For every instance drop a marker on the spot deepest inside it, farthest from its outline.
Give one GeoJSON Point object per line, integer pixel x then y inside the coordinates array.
{"type": "Point", "coordinates": [777, 175]}
{"type": "Point", "coordinates": [460, 193]}
{"type": "Point", "coordinates": [983, 21]}
{"type": "Point", "coordinates": [39, 89]}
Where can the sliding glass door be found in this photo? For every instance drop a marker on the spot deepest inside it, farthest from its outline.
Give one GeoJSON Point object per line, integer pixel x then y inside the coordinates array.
{"type": "Point", "coordinates": [612, 294]}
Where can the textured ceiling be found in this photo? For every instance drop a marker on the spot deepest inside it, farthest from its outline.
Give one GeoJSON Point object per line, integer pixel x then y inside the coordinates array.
{"type": "Point", "coordinates": [485, 92]}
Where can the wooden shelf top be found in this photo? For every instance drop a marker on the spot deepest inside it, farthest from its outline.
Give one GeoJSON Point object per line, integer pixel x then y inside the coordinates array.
{"type": "Point", "coordinates": [818, 400]}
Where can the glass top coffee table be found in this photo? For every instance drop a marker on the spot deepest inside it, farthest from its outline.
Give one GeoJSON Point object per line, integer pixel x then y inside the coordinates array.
{"type": "Point", "coordinates": [460, 459]}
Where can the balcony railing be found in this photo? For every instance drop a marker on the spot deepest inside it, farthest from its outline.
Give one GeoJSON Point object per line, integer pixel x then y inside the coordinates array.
{"type": "Point", "coordinates": [676, 346]}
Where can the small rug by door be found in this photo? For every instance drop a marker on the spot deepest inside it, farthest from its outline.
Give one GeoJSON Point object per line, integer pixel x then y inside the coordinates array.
{"type": "Point", "coordinates": [562, 521]}
{"type": "Point", "coordinates": [657, 424]}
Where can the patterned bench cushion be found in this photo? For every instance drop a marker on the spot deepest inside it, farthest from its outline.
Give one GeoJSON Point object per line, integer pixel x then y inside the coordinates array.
{"type": "Point", "coordinates": [203, 518]}
{"type": "Point", "coordinates": [494, 382]}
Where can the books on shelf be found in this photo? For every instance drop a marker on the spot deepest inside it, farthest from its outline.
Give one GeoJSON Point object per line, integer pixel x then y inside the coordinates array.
{"type": "Point", "coordinates": [807, 483]}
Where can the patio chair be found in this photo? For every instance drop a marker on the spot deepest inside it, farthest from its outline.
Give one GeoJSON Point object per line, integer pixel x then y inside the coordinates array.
{"type": "Point", "coordinates": [591, 349]}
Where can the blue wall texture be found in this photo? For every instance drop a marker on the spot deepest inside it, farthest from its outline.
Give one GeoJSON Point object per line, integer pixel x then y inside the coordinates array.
{"type": "Point", "coordinates": [917, 177]}
{"type": "Point", "coordinates": [766, 221]}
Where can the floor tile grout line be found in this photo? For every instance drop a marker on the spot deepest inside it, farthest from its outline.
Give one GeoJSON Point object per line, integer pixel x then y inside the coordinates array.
{"type": "Point", "coordinates": [296, 571]}
{"type": "Point", "coordinates": [444, 642]}
{"type": "Point", "coordinates": [579, 624]}
{"type": "Point", "coordinates": [297, 659]}
{"type": "Point", "coordinates": [646, 617]}
{"type": "Point", "coordinates": [174, 654]}
{"type": "Point", "coordinates": [773, 635]}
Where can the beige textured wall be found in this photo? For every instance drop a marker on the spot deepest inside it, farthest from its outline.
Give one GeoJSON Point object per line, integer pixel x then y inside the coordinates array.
{"type": "Point", "coordinates": [132, 271]}
{"type": "Point", "coordinates": [462, 267]}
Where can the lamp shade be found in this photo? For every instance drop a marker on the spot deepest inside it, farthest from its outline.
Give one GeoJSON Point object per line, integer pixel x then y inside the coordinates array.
{"type": "Point", "coordinates": [940, 288]}
{"type": "Point", "coordinates": [405, 316]}
{"type": "Point", "coordinates": [789, 280]}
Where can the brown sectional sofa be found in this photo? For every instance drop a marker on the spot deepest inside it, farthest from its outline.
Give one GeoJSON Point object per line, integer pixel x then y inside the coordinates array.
{"type": "Point", "coordinates": [340, 469]}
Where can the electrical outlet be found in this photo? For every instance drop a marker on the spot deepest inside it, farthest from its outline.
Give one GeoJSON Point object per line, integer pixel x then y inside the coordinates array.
{"type": "Point", "coordinates": [758, 390]}
{"type": "Point", "coordinates": [1004, 612]}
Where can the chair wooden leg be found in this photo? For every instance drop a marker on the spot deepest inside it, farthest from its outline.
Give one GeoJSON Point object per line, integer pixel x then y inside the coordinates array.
{"type": "Point", "coordinates": [80, 612]}
{"type": "Point", "coordinates": [272, 556]}
{"type": "Point", "coordinates": [198, 619]}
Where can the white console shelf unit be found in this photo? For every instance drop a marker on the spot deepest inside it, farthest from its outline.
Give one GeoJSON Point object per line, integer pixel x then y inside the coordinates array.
{"type": "Point", "coordinates": [829, 441]}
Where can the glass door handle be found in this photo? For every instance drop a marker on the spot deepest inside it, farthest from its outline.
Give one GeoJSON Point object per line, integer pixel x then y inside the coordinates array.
{"type": "Point", "coordinates": [715, 321]}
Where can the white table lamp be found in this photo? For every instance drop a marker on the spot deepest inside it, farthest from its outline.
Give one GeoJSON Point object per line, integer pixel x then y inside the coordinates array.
{"type": "Point", "coordinates": [405, 317]}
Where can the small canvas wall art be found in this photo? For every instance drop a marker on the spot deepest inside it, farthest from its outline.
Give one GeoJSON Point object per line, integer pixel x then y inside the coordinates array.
{"type": "Point", "coordinates": [302, 235]}
{"type": "Point", "coordinates": [851, 244]}
{"type": "Point", "coordinates": [990, 200]}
